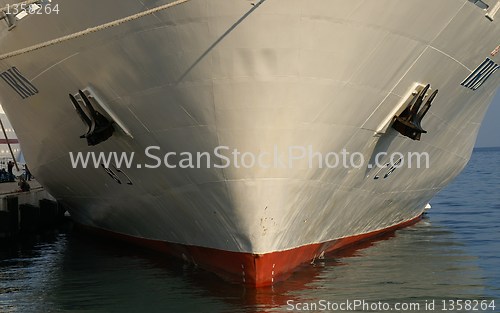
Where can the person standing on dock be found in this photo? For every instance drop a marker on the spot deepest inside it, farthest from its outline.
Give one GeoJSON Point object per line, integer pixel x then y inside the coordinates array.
{"type": "Point", "coordinates": [10, 165]}
{"type": "Point", "coordinates": [4, 176]}
{"type": "Point", "coordinates": [27, 172]}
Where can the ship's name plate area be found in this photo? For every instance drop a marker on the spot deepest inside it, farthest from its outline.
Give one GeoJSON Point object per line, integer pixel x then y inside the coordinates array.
{"type": "Point", "coordinates": [481, 74]}
{"type": "Point", "coordinates": [20, 84]}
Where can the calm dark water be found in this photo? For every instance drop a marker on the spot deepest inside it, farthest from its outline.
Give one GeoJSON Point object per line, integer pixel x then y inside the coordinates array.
{"type": "Point", "coordinates": [454, 253]}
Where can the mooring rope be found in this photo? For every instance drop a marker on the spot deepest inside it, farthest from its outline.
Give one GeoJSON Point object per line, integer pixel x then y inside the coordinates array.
{"type": "Point", "coordinates": [90, 30]}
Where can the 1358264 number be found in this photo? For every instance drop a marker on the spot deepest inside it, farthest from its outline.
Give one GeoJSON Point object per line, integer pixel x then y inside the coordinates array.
{"type": "Point", "coordinates": [468, 305]}
{"type": "Point", "coordinates": [32, 9]}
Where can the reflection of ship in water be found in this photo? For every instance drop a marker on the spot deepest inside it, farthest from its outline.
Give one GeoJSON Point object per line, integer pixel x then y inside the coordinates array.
{"type": "Point", "coordinates": [423, 262]}
{"type": "Point", "coordinates": [420, 263]}
{"type": "Point", "coordinates": [412, 265]}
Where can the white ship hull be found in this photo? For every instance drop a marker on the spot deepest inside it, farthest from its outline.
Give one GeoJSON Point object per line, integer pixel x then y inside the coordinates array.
{"type": "Point", "coordinates": [252, 77]}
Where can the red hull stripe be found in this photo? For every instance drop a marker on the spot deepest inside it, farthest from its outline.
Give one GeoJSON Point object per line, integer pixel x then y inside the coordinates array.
{"type": "Point", "coordinates": [256, 270]}
{"type": "Point", "coordinates": [11, 141]}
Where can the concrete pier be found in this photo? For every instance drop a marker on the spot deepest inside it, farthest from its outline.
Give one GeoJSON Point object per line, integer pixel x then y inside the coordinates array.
{"type": "Point", "coordinates": [27, 212]}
